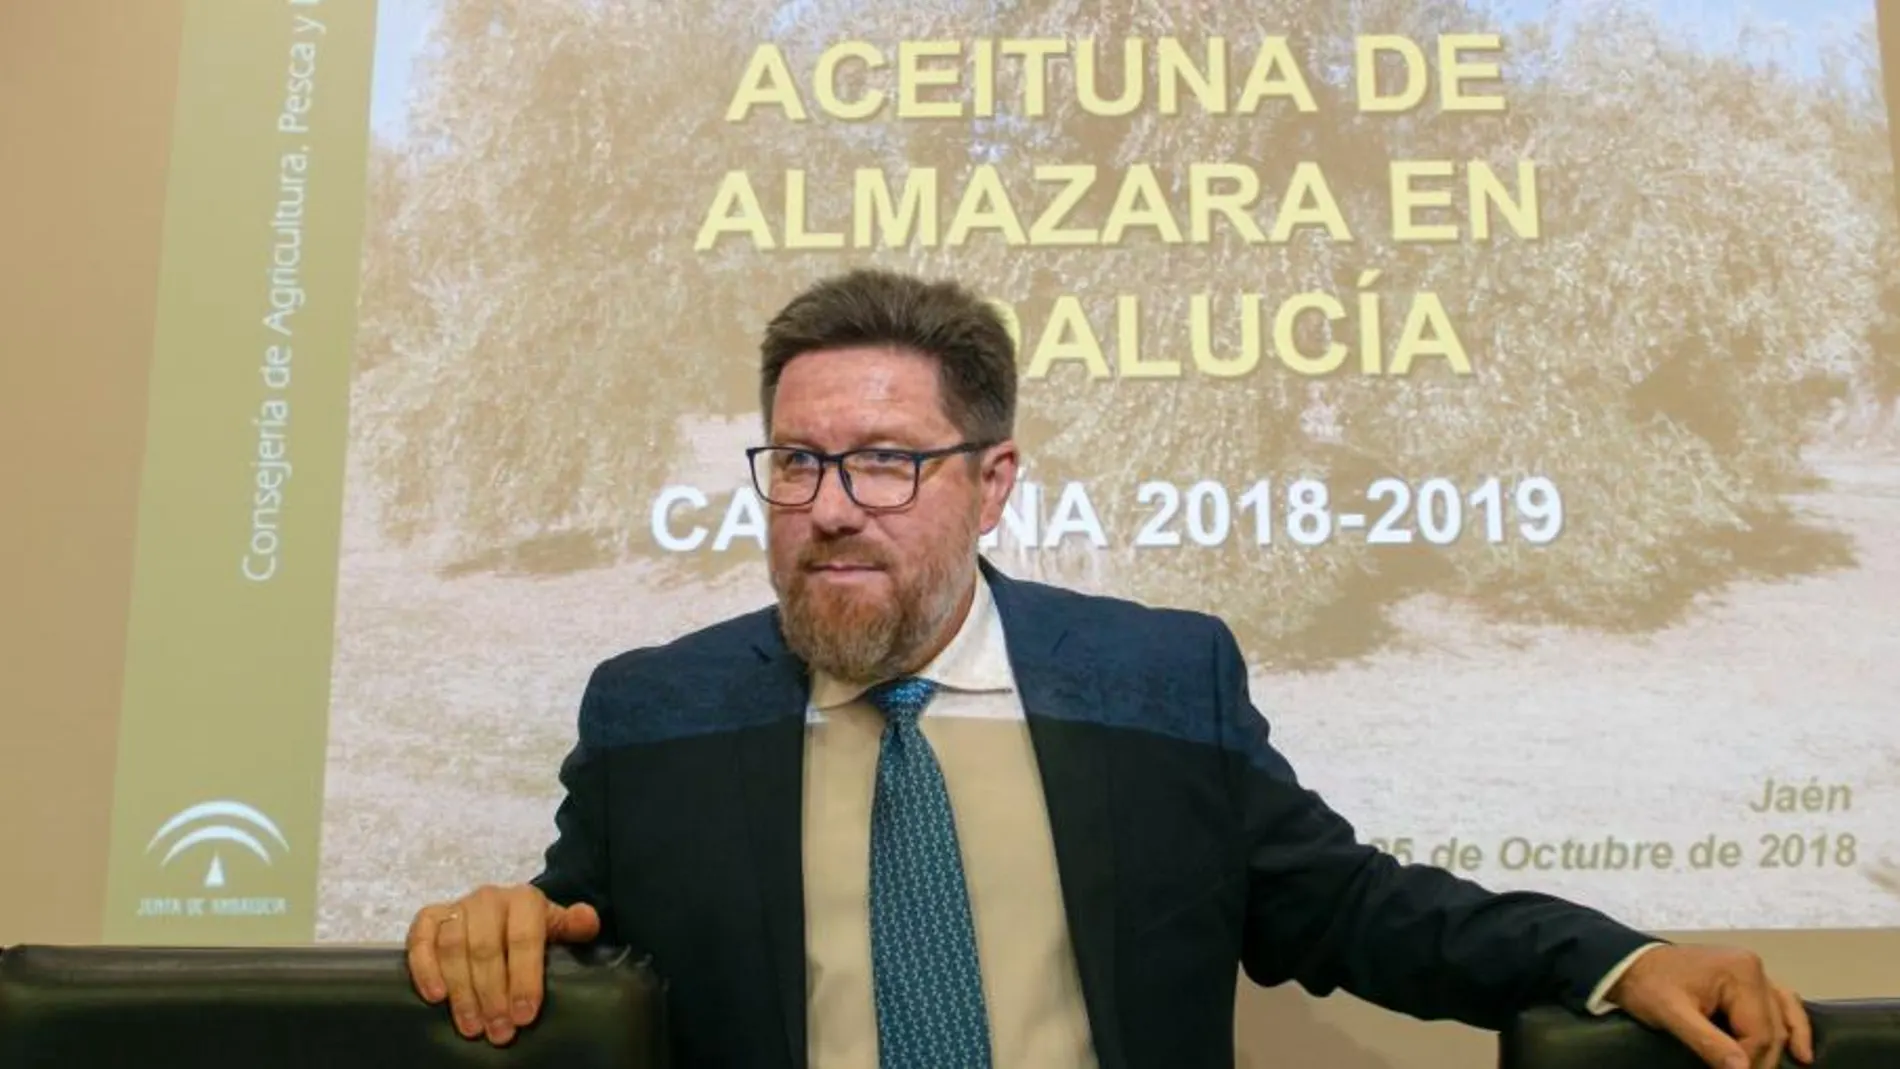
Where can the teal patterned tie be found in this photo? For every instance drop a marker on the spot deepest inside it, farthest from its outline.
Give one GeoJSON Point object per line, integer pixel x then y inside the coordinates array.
{"type": "Point", "coordinates": [930, 1011]}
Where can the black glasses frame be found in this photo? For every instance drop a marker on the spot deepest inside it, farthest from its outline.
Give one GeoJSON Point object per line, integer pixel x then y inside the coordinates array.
{"type": "Point", "coordinates": [918, 458]}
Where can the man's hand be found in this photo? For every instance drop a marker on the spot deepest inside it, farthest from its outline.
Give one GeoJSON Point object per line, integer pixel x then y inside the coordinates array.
{"type": "Point", "coordinates": [1680, 988]}
{"type": "Point", "coordinates": [484, 953]}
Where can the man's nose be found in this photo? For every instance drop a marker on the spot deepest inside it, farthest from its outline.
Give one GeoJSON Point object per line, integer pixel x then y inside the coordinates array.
{"type": "Point", "coordinates": [832, 510]}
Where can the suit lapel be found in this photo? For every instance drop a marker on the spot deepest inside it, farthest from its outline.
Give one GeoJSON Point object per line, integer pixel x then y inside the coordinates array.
{"type": "Point", "coordinates": [1059, 686]}
{"type": "Point", "coordinates": [769, 759]}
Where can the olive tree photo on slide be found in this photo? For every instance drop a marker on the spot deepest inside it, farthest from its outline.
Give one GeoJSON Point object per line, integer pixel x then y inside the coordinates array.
{"type": "Point", "coordinates": [1694, 343]}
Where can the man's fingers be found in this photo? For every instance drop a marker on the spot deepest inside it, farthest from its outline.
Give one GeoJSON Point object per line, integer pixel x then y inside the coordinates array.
{"type": "Point", "coordinates": [1800, 1029]}
{"type": "Point", "coordinates": [578, 923]}
{"type": "Point", "coordinates": [486, 955]}
{"type": "Point", "coordinates": [527, 935]}
{"type": "Point", "coordinates": [1716, 1048]}
{"type": "Point", "coordinates": [487, 962]}
{"type": "Point", "coordinates": [451, 952]}
{"type": "Point", "coordinates": [424, 971]}
{"type": "Point", "coordinates": [1754, 1017]}
{"type": "Point", "coordinates": [1766, 1050]}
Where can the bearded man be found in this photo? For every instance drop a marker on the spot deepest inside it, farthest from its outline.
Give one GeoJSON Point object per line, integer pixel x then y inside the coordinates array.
{"type": "Point", "coordinates": [920, 815]}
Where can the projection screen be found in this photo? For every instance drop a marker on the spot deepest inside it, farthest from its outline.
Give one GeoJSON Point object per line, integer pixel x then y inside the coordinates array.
{"type": "Point", "coordinates": [1517, 380]}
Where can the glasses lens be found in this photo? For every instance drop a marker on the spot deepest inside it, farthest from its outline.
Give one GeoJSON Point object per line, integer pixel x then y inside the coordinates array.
{"type": "Point", "coordinates": [786, 476]}
{"type": "Point", "coordinates": [882, 480]}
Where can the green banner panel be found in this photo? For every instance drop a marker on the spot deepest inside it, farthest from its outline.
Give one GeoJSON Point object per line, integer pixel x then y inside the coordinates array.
{"type": "Point", "coordinates": [224, 718]}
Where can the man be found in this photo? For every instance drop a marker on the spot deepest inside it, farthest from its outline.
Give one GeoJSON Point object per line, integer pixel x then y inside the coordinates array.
{"type": "Point", "coordinates": [919, 814]}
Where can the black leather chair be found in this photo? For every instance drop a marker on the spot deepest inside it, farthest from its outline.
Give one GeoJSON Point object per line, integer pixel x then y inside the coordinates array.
{"type": "Point", "coordinates": [1861, 1034]}
{"type": "Point", "coordinates": [305, 1008]}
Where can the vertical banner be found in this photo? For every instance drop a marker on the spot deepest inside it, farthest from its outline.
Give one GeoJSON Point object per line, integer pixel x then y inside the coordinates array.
{"type": "Point", "coordinates": [224, 719]}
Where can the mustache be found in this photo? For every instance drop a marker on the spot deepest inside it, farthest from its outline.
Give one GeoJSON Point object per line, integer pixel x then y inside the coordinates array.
{"type": "Point", "coordinates": [842, 553]}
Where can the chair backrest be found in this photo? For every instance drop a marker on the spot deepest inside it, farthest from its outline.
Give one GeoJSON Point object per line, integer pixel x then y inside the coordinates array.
{"type": "Point", "coordinates": [1862, 1034]}
{"type": "Point", "coordinates": [295, 1007]}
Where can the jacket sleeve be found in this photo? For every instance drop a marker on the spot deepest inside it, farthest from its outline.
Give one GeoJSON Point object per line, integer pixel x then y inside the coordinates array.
{"type": "Point", "coordinates": [1332, 913]}
{"type": "Point", "coordinates": [575, 867]}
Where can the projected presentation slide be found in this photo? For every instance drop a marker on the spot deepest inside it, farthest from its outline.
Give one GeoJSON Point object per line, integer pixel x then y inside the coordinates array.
{"type": "Point", "coordinates": [1517, 380]}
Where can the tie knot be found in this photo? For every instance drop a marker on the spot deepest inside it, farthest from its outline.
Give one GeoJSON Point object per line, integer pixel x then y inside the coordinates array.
{"type": "Point", "coordinates": [902, 701]}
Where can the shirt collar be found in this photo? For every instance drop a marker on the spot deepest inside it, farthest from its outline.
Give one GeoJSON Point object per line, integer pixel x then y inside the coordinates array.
{"type": "Point", "coordinates": [976, 660]}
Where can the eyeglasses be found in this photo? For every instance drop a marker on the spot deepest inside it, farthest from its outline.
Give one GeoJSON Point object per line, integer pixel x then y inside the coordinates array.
{"type": "Point", "coordinates": [789, 477]}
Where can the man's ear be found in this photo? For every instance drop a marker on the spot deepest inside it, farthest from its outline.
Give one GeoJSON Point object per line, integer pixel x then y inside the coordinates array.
{"type": "Point", "coordinates": [996, 478]}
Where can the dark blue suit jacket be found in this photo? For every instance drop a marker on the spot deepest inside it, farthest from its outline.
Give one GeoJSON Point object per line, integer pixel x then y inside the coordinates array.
{"type": "Point", "coordinates": [1187, 849]}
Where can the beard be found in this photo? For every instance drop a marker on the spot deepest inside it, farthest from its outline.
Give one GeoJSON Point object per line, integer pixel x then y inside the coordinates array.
{"type": "Point", "coordinates": [864, 635]}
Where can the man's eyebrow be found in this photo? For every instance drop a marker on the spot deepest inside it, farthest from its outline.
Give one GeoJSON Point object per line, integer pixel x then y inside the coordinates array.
{"type": "Point", "coordinates": [884, 439]}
